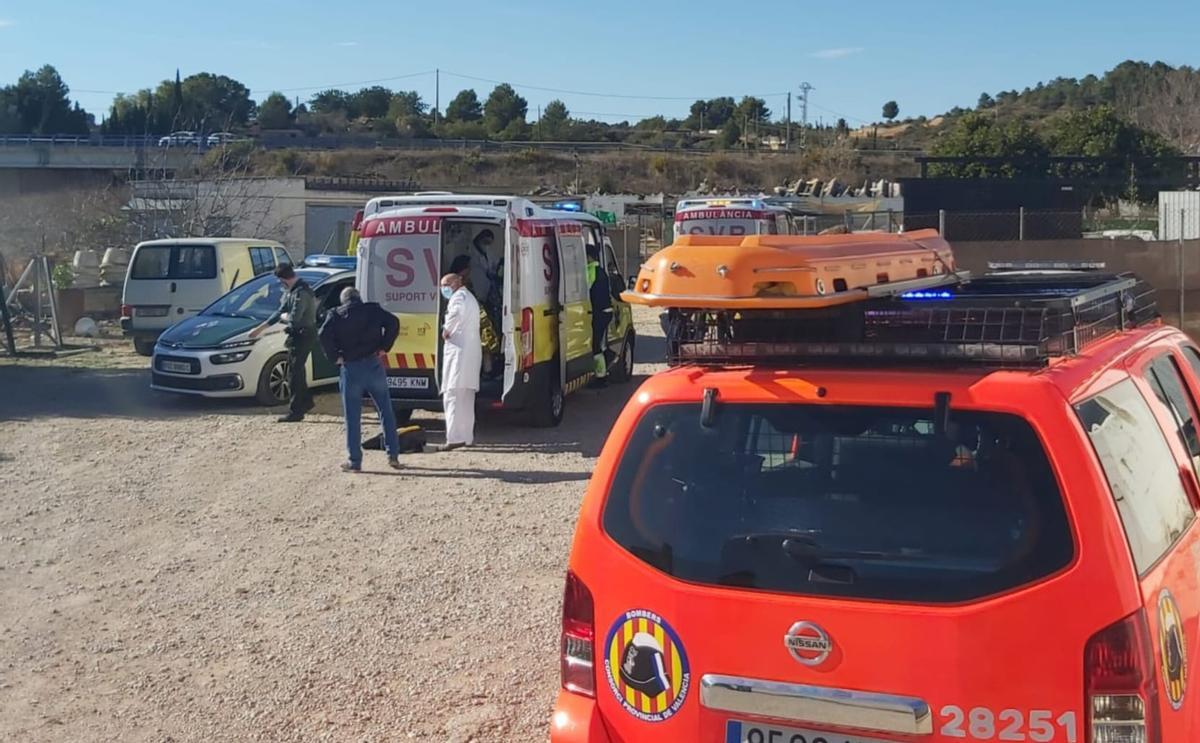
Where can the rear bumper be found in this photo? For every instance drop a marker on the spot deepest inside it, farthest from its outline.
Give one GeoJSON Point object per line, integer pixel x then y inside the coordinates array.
{"type": "Point", "coordinates": [577, 719]}
{"type": "Point", "coordinates": [129, 331]}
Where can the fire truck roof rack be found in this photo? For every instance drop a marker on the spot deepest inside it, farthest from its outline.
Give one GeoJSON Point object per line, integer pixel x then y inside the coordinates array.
{"type": "Point", "coordinates": [1023, 320]}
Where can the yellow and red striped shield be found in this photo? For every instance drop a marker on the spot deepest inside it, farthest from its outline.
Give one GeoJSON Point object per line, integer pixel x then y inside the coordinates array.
{"type": "Point", "coordinates": [646, 666]}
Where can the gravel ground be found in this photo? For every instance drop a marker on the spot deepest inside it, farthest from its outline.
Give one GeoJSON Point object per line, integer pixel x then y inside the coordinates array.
{"type": "Point", "coordinates": [179, 570]}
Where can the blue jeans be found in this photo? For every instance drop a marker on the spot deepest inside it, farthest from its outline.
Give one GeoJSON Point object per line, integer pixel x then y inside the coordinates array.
{"type": "Point", "coordinates": [367, 376]}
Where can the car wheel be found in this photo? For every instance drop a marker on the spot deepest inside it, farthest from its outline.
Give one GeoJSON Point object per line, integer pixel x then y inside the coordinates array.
{"type": "Point", "coordinates": [143, 347]}
{"type": "Point", "coordinates": [273, 385]}
{"type": "Point", "coordinates": [623, 371]}
{"type": "Point", "coordinates": [548, 406]}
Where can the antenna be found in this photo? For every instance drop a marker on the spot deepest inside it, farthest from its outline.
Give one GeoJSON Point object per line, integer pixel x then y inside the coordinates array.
{"type": "Point", "coordinates": [804, 89]}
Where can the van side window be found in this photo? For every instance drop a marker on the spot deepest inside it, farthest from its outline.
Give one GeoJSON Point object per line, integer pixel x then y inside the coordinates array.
{"type": "Point", "coordinates": [1165, 379]}
{"type": "Point", "coordinates": [1141, 471]}
{"type": "Point", "coordinates": [262, 260]}
{"type": "Point", "coordinates": [282, 257]}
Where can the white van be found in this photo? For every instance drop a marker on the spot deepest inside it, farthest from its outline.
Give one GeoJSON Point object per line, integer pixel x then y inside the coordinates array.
{"type": "Point", "coordinates": [731, 216]}
{"type": "Point", "coordinates": [171, 280]}
{"type": "Point", "coordinates": [534, 287]}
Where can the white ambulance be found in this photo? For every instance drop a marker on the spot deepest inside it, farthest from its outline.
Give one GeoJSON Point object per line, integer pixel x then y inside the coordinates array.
{"type": "Point", "coordinates": [731, 216]}
{"type": "Point", "coordinates": [531, 280]}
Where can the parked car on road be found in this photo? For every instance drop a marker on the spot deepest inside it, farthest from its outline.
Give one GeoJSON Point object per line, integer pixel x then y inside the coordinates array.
{"type": "Point", "coordinates": [170, 280]}
{"type": "Point", "coordinates": [871, 522]}
{"type": "Point", "coordinates": [180, 139]}
{"type": "Point", "coordinates": [216, 139]}
{"type": "Point", "coordinates": [211, 355]}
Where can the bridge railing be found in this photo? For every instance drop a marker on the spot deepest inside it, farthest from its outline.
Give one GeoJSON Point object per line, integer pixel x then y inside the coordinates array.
{"type": "Point", "coordinates": [68, 140]}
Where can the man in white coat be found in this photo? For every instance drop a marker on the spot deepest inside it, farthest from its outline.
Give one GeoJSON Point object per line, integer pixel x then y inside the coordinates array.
{"type": "Point", "coordinates": [462, 356]}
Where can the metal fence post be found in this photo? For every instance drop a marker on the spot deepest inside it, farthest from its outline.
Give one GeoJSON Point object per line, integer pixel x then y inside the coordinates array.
{"type": "Point", "coordinates": [890, 222]}
{"type": "Point", "coordinates": [37, 302]}
{"type": "Point", "coordinates": [1182, 281]}
{"type": "Point", "coordinates": [942, 222]}
{"type": "Point", "coordinates": [1021, 223]}
{"type": "Point", "coordinates": [625, 249]}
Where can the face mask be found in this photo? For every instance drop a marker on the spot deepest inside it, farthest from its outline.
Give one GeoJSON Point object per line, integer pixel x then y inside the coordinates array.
{"type": "Point", "coordinates": [447, 292]}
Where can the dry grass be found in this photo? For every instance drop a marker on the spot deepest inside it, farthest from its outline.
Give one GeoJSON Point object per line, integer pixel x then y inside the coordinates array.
{"type": "Point", "coordinates": [526, 170]}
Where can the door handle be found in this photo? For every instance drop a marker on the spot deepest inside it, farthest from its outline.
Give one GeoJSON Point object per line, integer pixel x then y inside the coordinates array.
{"type": "Point", "coordinates": [549, 313]}
{"type": "Point", "coordinates": [172, 287]}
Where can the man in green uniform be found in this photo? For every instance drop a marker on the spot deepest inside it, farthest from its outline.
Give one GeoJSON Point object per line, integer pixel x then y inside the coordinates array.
{"type": "Point", "coordinates": [600, 293]}
{"type": "Point", "coordinates": [298, 309]}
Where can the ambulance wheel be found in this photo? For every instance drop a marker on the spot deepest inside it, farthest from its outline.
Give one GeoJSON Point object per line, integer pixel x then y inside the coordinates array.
{"type": "Point", "coordinates": [622, 371]}
{"type": "Point", "coordinates": [143, 346]}
{"type": "Point", "coordinates": [546, 410]}
{"type": "Point", "coordinates": [403, 415]}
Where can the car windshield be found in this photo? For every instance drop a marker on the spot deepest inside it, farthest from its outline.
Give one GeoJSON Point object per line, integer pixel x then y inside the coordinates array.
{"type": "Point", "coordinates": [840, 501]}
{"type": "Point", "coordinates": [258, 298]}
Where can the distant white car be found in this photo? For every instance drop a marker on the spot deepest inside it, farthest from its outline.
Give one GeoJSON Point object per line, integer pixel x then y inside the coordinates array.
{"type": "Point", "coordinates": [179, 139]}
{"type": "Point", "coordinates": [216, 139]}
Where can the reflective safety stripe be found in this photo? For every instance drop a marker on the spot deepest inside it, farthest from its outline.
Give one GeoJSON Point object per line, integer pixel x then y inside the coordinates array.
{"type": "Point", "coordinates": [411, 361]}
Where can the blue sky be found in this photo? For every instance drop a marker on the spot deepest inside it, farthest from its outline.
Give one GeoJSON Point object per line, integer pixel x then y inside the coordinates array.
{"type": "Point", "coordinates": [929, 55]}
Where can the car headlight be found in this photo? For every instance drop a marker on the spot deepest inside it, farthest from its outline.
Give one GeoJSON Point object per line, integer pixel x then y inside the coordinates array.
{"type": "Point", "coordinates": [231, 357]}
{"type": "Point", "coordinates": [238, 344]}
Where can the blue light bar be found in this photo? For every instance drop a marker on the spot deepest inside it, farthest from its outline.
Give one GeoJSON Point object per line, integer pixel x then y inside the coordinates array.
{"type": "Point", "coordinates": [332, 261]}
{"type": "Point", "coordinates": [927, 295]}
{"type": "Point", "coordinates": [568, 206]}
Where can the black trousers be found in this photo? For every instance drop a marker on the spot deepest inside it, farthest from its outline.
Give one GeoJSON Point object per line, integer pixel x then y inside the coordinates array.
{"type": "Point", "coordinates": [300, 346]}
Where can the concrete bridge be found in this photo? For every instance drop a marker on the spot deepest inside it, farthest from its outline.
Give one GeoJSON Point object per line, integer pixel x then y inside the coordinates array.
{"type": "Point", "coordinates": [123, 154]}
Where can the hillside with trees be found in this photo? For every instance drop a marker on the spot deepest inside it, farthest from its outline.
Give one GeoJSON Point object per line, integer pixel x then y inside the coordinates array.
{"type": "Point", "coordinates": [1137, 108]}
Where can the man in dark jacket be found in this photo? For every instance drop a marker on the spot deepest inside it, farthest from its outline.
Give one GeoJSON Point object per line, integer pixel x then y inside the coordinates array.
{"type": "Point", "coordinates": [298, 310]}
{"type": "Point", "coordinates": [357, 335]}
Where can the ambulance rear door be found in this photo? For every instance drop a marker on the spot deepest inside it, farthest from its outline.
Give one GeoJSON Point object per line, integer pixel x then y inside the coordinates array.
{"type": "Point", "coordinates": [399, 267]}
{"type": "Point", "coordinates": [516, 259]}
{"type": "Point", "coordinates": [575, 323]}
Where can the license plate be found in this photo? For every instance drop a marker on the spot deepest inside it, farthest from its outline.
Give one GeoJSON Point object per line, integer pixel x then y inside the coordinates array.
{"type": "Point", "coordinates": [176, 367]}
{"type": "Point", "coordinates": [408, 383]}
{"type": "Point", "coordinates": [737, 731]}
{"type": "Point", "coordinates": [150, 311]}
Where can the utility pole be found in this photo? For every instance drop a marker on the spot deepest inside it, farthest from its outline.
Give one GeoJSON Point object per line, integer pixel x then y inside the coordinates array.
{"type": "Point", "coordinates": [787, 140]}
{"type": "Point", "coordinates": [804, 89]}
{"type": "Point", "coordinates": [437, 95]}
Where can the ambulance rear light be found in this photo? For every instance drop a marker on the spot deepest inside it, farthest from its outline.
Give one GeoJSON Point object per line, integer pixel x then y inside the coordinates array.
{"type": "Point", "coordinates": [1121, 693]}
{"type": "Point", "coordinates": [526, 338]}
{"type": "Point", "coordinates": [440, 209]}
{"type": "Point", "coordinates": [126, 310]}
{"type": "Point", "coordinates": [578, 638]}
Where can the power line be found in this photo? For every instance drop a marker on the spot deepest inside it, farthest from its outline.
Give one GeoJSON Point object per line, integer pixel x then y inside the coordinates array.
{"type": "Point", "coordinates": [593, 93]}
{"type": "Point", "coordinates": [840, 114]}
{"type": "Point", "coordinates": [331, 86]}
{"type": "Point", "coordinates": [335, 86]}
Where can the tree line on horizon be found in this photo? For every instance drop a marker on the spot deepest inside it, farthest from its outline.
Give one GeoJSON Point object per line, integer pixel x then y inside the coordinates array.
{"type": "Point", "coordinates": [208, 102]}
{"type": "Point", "coordinates": [1140, 100]}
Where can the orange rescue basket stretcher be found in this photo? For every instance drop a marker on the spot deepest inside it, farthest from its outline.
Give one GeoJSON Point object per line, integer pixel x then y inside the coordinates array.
{"type": "Point", "coordinates": [791, 272]}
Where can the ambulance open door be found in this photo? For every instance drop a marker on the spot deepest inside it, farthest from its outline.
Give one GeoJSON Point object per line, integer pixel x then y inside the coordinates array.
{"type": "Point", "coordinates": [513, 306]}
{"type": "Point", "coordinates": [574, 319]}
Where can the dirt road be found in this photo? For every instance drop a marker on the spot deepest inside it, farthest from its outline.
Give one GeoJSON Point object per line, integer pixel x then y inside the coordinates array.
{"type": "Point", "coordinates": [174, 569]}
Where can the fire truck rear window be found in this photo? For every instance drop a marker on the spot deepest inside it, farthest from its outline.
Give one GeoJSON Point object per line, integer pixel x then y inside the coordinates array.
{"type": "Point", "coordinates": [859, 502]}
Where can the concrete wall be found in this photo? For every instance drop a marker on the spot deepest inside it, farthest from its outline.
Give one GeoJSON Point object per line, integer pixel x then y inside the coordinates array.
{"type": "Point", "coordinates": [1156, 262]}
{"type": "Point", "coordinates": [270, 208]}
{"type": "Point", "coordinates": [85, 157]}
